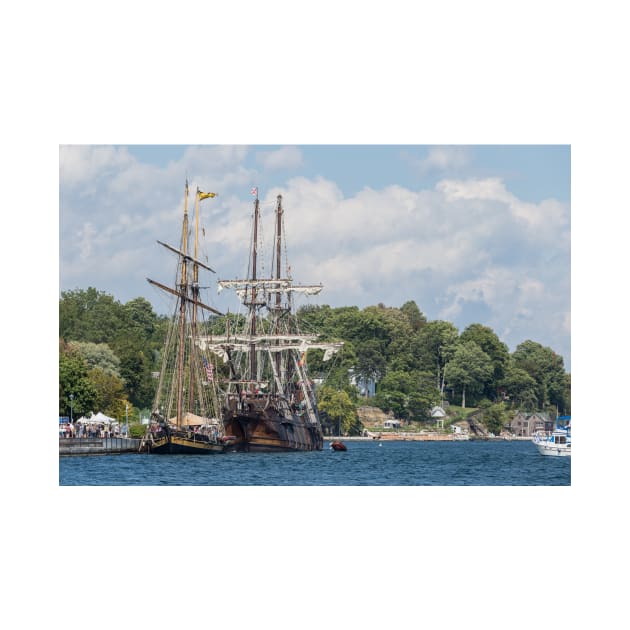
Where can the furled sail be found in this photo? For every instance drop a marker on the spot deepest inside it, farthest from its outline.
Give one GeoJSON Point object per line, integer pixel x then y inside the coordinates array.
{"type": "Point", "coordinates": [269, 285]}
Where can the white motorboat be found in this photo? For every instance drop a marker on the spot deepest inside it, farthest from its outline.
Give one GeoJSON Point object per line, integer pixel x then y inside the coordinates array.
{"type": "Point", "coordinates": [558, 442]}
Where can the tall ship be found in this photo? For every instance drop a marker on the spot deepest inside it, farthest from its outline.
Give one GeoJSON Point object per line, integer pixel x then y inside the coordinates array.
{"type": "Point", "coordinates": [269, 401]}
{"type": "Point", "coordinates": [186, 417]}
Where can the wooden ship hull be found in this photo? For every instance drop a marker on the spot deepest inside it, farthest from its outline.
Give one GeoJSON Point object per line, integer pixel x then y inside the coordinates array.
{"type": "Point", "coordinates": [266, 430]}
{"type": "Point", "coordinates": [183, 443]}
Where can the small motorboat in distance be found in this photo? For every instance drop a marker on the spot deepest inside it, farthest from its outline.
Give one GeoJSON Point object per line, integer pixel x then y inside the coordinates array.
{"type": "Point", "coordinates": [338, 446]}
{"type": "Point", "coordinates": [558, 443]}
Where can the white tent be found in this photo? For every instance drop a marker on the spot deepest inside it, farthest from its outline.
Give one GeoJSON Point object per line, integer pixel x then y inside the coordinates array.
{"type": "Point", "coordinates": [98, 418]}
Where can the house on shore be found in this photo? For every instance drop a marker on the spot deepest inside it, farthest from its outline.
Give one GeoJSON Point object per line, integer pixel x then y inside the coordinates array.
{"type": "Point", "coordinates": [525, 424]}
{"type": "Point", "coordinates": [366, 386]}
{"type": "Point", "coordinates": [391, 423]}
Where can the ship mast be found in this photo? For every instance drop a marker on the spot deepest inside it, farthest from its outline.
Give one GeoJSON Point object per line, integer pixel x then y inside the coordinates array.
{"type": "Point", "coordinates": [252, 307]}
{"type": "Point", "coordinates": [281, 340]}
{"type": "Point", "coordinates": [187, 292]}
{"type": "Point", "coordinates": [183, 287]}
{"type": "Point", "coordinates": [278, 357]}
{"type": "Point", "coordinates": [192, 381]}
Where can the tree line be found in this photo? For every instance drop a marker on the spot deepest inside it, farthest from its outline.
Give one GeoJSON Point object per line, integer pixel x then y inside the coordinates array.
{"type": "Point", "coordinates": [417, 363]}
{"type": "Point", "coordinates": [109, 350]}
{"type": "Point", "coordinates": [107, 353]}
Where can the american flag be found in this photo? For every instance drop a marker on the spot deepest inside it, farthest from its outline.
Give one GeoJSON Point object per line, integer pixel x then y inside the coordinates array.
{"type": "Point", "coordinates": [209, 370]}
{"type": "Point", "coordinates": [254, 191]}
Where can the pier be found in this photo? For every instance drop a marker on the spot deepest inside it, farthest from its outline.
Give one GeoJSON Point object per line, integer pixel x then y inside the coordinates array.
{"type": "Point", "coordinates": [98, 446]}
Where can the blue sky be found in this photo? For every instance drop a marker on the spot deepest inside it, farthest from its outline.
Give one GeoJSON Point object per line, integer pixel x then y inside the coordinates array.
{"type": "Point", "coordinates": [471, 233]}
{"type": "Point", "coordinates": [532, 172]}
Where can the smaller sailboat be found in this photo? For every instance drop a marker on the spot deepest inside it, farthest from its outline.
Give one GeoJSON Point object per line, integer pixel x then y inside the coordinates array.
{"type": "Point", "coordinates": [186, 411]}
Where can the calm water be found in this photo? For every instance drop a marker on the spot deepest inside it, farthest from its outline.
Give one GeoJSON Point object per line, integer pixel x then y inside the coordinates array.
{"type": "Point", "coordinates": [475, 463]}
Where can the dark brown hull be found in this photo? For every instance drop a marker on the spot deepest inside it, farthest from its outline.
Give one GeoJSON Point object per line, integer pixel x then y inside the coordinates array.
{"type": "Point", "coordinates": [269, 431]}
{"type": "Point", "coordinates": [183, 445]}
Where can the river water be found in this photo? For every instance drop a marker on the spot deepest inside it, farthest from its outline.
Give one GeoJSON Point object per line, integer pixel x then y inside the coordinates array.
{"type": "Point", "coordinates": [365, 463]}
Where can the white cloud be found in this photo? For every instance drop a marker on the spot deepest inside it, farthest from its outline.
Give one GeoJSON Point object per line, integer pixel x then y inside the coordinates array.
{"type": "Point", "coordinates": [82, 163]}
{"type": "Point", "coordinates": [465, 245]}
{"type": "Point", "coordinates": [383, 234]}
{"type": "Point", "coordinates": [285, 157]}
{"type": "Point", "coordinates": [442, 158]}
{"type": "Point", "coordinates": [466, 248]}
{"type": "Point", "coordinates": [206, 159]}
{"type": "Point", "coordinates": [85, 241]}
{"type": "Point", "coordinates": [519, 306]}
{"type": "Point", "coordinates": [546, 222]}
{"type": "Point", "coordinates": [491, 188]}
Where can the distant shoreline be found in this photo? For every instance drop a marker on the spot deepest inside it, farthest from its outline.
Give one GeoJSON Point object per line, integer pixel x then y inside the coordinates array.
{"type": "Point", "coordinates": [420, 437]}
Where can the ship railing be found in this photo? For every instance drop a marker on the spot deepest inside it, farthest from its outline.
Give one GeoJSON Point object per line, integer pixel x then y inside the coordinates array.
{"type": "Point", "coordinates": [196, 436]}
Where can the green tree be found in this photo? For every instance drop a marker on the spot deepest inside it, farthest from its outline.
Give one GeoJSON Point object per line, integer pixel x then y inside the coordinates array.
{"type": "Point", "coordinates": [135, 370]}
{"type": "Point", "coordinates": [89, 315]}
{"type": "Point", "coordinates": [433, 347]}
{"type": "Point", "coordinates": [421, 401]}
{"type": "Point", "coordinates": [519, 387]}
{"type": "Point", "coordinates": [547, 369]}
{"type": "Point", "coordinates": [74, 380]}
{"type": "Point", "coordinates": [414, 315]}
{"type": "Point", "coordinates": [126, 341]}
{"type": "Point", "coordinates": [371, 363]}
{"type": "Point", "coordinates": [470, 369]}
{"type": "Point", "coordinates": [566, 409]}
{"type": "Point", "coordinates": [393, 329]}
{"type": "Point", "coordinates": [392, 400]}
{"type": "Point", "coordinates": [346, 323]}
{"type": "Point", "coordinates": [110, 395]}
{"type": "Point", "coordinates": [98, 355]}
{"type": "Point", "coordinates": [315, 362]}
{"type": "Point", "coordinates": [494, 417]}
{"type": "Point", "coordinates": [339, 408]}
{"type": "Point", "coordinates": [316, 319]}
{"type": "Point", "coordinates": [409, 395]}
{"type": "Point", "coordinates": [140, 316]}
{"type": "Point", "coordinates": [336, 371]}
{"type": "Point", "coordinates": [498, 352]}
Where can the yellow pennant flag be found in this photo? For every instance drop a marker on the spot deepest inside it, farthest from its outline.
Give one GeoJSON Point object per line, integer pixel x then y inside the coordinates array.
{"type": "Point", "coordinates": [203, 195]}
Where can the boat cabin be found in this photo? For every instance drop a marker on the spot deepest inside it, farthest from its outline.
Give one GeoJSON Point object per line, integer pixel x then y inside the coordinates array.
{"type": "Point", "coordinates": [559, 438]}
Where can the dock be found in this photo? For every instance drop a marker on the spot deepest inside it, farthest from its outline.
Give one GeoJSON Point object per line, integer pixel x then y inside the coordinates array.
{"type": "Point", "coordinates": [97, 446]}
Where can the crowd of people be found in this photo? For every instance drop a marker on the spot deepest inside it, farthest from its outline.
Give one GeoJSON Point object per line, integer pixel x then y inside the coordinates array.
{"type": "Point", "coordinates": [90, 430]}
